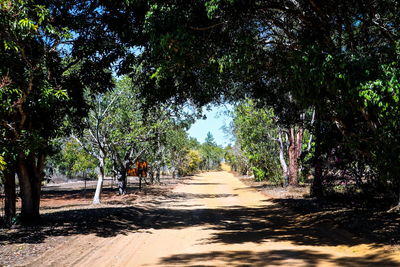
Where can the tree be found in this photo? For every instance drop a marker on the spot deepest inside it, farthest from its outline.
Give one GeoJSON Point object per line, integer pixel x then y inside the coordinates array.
{"type": "Point", "coordinates": [114, 130]}
{"type": "Point", "coordinates": [51, 51]}
{"type": "Point", "coordinates": [257, 135]}
{"type": "Point", "coordinates": [237, 159]}
{"type": "Point", "coordinates": [73, 161]}
{"type": "Point", "coordinates": [122, 129]}
{"type": "Point", "coordinates": [193, 162]}
{"type": "Point", "coordinates": [178, 151]}
{"type": "Point", "coordinates": [211, 153]}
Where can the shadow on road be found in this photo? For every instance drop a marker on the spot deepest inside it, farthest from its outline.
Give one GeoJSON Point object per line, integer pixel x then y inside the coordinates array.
{"type": "Point", "coordinates": [234, 225]}
{"type": "Point", "coordinates": [287, 257]}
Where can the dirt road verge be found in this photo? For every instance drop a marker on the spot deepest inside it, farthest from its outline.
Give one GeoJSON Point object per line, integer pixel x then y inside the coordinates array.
{"type": "Point", "coordinates": [368, 222]}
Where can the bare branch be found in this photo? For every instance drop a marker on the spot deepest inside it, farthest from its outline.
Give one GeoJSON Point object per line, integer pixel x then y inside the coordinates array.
{"type": "Point", "coordinates": [84, 147]}
{"type": "Point", "coordinates": [208, 27]}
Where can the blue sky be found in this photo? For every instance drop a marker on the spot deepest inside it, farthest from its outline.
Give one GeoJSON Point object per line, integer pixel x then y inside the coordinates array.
{"type": "Point", "coordinates": [216, 119]}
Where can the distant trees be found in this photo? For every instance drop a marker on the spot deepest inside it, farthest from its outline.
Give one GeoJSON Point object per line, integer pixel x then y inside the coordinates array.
{"type": "Point", "coordinates": [237, 160]}
{"type": "Point", "coordinates": [211, 154]}
{"type": "Point", "coordinates": [71, 160]}
{"type": "Point", "coordinates": [120, 129]}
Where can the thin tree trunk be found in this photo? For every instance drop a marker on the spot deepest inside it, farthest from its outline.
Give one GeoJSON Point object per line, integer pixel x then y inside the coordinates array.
{"type": "Point", "coordinates": [293, 158]}
{"type": "Point", "coordinates": [299, 141]}
{"type": "Point", "coordinates": [282, 159]}
{"type": "Point", "coordinates": [299, 146]}
{"type": "Point", "coordinates": [158, 175]}
{"type": "Point", "coordinates": [151, 174]}
{"type": "Point", "coordinates": [311, 136]}
{"type": "Point", "coordinates": [99, 187]}
{"type": "Point", "coordinates": [122, 180]}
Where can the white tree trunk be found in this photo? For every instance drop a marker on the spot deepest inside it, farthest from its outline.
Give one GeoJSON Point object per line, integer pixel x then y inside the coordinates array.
{"type": "Point", "coordinates": [99, 187]}
{"type": "Point", "coordinates": [96, 198]}
{"type": "Point", "coordinates": [282, 157]}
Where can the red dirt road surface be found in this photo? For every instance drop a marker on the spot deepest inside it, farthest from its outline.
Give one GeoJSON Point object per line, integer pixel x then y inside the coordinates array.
{"type": "Point", "coordinates": [215, 220]}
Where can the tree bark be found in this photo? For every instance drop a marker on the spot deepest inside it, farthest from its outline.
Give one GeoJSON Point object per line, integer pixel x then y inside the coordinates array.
{"type": "Point", "coordinates": [30, 174]}
{"type": "Point", "coordinates": [282, 159]}
{"type": "Point", "coordinates": [122, 180]}
{"type": "Point", "coordinates": [99, 187]}
{"type": "Point", "coordinates": [294, 147]}
{"type": "Point", "coordinates": [295, 141]}
{"type": "Point", "coordinates": [151, 174]}
{"type": "Point", "coordinates": [316, 188]}
{"type": "Point", "coordinates": [9, 186]}
{"type": "Point", "coordinates": [158, 175]}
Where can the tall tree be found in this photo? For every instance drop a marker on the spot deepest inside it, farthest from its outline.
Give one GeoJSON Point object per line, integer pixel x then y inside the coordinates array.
{"type": "Point", "coordinates": [211, 153]}
{"type": "Point", "coordinates": [51, 51]}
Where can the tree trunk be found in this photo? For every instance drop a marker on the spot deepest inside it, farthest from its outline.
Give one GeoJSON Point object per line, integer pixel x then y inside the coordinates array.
{"type": "Point", "coordinates": [294, 151]}
{"type": "Point", "coordinates": [122, 180]}
{"type": "Point", "coordinates": [9, 186]}
{"type": "Point", "coordinates": [158, 175]}
{"type": "Point", "coordinates": [30, 174]}
{"type": "Point", "coordinates": [99, 187]}
{"type": "Point", "coordinates": [282, 160]}
{"type": "Point", "coordinates": [316, 188]}
{"type": "Point", "coordinates": [293, 158]}
{"type": "Point", "coordinates": [151, 174]}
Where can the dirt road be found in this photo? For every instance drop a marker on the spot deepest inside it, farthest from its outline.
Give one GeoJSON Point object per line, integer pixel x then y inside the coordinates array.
{"type": "Point", "coordinates": [215, 220]}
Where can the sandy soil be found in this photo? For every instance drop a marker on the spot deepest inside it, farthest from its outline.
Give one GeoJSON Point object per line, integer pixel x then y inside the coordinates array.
{"type": "Point", "coordinates": [213, 220]}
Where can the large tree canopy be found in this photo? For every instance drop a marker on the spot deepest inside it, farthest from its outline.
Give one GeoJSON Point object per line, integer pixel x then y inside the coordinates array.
{"type": "Point", "coordinates": [292, 55]}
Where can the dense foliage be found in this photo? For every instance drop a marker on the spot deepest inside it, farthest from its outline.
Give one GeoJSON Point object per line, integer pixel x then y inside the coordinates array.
{"type": "Point", "coordinates": [257, 134]}
{"type": "Point", "coordinates": [273, 151]}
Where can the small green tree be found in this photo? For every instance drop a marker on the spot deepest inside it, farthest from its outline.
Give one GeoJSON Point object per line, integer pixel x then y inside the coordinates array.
{"type": "Point", "coordinates": [75, 162]}
{"type": "Point", "coordinates": [211, 154]}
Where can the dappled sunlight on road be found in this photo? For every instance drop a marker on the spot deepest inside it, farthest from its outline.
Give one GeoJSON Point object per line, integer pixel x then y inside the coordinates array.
{"type": "Point", "coordinates": [212, 220]}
